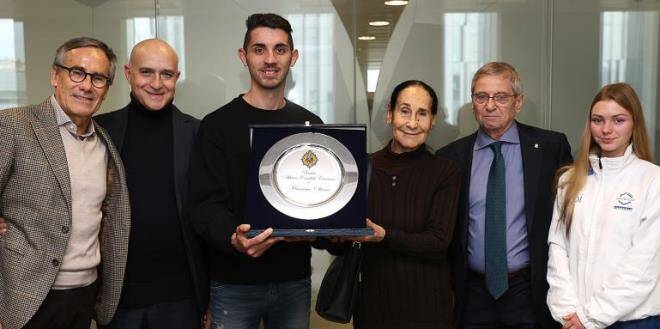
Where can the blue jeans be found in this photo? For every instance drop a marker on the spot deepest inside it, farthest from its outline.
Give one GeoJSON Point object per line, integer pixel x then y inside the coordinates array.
{"type": "Point", "coordinates": [172, 315]}
{"type": "Point", "coordinates": [281, 305]}
{"type": "Point", "coordinates": [652, 322]}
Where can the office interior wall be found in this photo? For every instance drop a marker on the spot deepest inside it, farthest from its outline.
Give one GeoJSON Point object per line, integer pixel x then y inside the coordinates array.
{"type": "Point", "coordinates": [564, 50]}
{"type": "Point", "coordinates": [599, 42]}
{"type": "Point", "coordinates": [445, 42]}
{"type": "Point", "coordinates": [206, 35]}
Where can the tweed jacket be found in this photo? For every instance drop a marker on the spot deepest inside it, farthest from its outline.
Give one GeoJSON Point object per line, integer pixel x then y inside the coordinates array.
{"type": "Point", "coordinates": [35, 200]}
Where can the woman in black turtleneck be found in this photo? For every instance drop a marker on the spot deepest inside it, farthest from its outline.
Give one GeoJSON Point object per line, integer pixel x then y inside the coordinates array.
{"type": "Point", "coordinates": [413, 198]}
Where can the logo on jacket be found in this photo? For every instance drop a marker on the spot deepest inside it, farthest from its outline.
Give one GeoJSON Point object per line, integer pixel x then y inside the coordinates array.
{"type": "Point", "coordinates": [624, 200]}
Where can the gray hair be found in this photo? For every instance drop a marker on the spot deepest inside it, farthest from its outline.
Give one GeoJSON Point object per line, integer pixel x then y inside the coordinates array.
{"type": "Point", "coordinates": [82, 42]}
{"type": "Point", "coordinates": [500, 68]}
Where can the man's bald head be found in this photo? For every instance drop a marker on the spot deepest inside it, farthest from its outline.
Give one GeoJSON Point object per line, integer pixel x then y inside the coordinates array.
{"type": "Point", "coordinates": [153, 45]}
{"type": "Point", "coordinates": [152, 72]}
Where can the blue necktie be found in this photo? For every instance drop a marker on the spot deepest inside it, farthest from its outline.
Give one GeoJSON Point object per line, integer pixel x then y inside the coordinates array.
{"type": "Point", "coordinates": [495, 245]}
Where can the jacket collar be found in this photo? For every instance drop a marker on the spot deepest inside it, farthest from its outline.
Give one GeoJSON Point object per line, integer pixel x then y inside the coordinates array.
{"type": "Point", "coordinates": [604, 165]}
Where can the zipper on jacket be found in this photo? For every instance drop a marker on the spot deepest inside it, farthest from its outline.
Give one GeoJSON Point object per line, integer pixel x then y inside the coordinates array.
{"type": "Point", "coordinates": [590, 239]}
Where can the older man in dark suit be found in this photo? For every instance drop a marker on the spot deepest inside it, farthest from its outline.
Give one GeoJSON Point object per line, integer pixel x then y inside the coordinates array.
{"type": "Point", "coordinates": [64, 198]}
{"type": "Point", "coordinates": [500, 250]}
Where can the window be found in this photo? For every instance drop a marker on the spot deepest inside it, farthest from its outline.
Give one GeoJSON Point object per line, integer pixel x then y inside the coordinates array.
{"type": "Point", "coordinates": [170, 29]}
{"type": "Point", "coordinates": [312, 79]}
{"type": "Point", "coordinates": [470, 40]}
{"type": "Point", "coordinates": [12, 64]}
{"type": "Point", "coordinates": [629, 53]}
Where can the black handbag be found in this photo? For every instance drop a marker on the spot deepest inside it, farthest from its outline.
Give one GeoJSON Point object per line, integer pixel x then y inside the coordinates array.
{"type": "Point", "coordinates": [341, 283]}
{"type": "Point", "coordinates": [339, 289]}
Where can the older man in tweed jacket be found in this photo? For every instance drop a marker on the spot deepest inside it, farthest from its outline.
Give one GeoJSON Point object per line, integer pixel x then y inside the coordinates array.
{"type": "Point", "coordinates": [64, 198]}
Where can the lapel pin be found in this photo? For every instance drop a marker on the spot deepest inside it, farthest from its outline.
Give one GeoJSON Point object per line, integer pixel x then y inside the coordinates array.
{"type": "Point", "coordinates": [536, 145]}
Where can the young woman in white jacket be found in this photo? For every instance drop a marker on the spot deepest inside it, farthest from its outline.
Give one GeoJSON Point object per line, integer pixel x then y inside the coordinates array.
{"type": "Point", "coordinates": [604, 262]}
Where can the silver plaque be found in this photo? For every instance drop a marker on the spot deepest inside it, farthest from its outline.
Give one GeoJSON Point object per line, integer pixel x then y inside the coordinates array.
{"type": "Point", "coordinates": [308, 175]}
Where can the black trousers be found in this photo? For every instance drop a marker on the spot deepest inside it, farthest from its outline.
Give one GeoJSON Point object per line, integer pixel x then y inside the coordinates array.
{"type": "Point", "coordinates": [514, 309]}
{"type": "Point", "coordinates": [166, 315]}
{"type": "Point", "coordinates": [66, 309]}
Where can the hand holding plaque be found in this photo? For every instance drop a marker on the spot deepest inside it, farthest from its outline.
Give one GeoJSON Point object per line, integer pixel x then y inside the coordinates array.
{"type": "Point", "coordinates": [254, 246]}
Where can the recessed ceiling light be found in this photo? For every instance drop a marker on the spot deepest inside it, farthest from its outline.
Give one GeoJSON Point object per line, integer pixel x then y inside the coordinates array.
{"type": "Point", "coordinates": [396, 2]}
{"type": "Point", "coordinates": [367, 38]}
{"type": "Point", "coordinates": [379, 23]}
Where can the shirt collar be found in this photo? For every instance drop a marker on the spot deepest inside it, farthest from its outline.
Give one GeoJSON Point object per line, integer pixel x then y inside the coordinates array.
{"type": "Point", "coordinates": [510, 136]}
{"type": "Point", "coordinates": [64, 120]}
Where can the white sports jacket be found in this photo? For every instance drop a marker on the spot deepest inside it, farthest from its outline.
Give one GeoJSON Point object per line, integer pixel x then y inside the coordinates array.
{"type": "Point", "coordinates": [608, 268]}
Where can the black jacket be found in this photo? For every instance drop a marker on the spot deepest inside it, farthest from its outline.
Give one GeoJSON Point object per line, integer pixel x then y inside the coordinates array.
{"type": "Point", "coordinates": [184, 131]}
{"type": "Point", "coordinates": [543, 152]}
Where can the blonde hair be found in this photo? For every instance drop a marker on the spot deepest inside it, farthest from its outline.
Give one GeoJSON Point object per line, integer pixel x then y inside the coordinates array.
{"type": "Point", "coordinates": [624, 95]}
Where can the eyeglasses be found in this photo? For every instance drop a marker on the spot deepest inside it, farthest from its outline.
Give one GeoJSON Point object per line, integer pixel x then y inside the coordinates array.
{"type": "Point", "coordinates": [500, 99]}
{"type": "Point", "coordinates": [79, 75]}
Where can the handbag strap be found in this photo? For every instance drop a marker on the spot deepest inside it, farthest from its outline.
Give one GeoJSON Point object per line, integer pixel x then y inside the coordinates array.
{"type": "Point", "coordinates": [368, 183]}
{"type": "Point", "coordinates": [368, 175]}
{"type": "Point", "coordinates": [356, 244]}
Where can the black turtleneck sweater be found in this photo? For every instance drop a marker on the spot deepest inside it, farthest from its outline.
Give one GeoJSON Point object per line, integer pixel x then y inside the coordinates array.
{"type": "Point", "coordinates": [406, 277]}
{"type": "Point", "coordinates": [156, 269]}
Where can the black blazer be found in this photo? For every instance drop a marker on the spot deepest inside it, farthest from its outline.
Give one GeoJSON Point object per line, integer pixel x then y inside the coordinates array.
{"type": "Point", "coordinates": [184, 131]}
{"type": "Point", "coordinates": [543, 152]}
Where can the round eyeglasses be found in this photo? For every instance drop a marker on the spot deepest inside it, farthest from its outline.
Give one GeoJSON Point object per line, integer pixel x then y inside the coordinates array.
{"type": "Point", "coordinates": [500, 99]}
{"type": "Point", "coordinates": [79, 75]}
